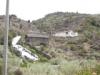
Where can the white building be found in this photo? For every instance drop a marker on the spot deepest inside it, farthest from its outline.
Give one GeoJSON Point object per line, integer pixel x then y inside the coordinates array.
{"type": "Point", "coordinates": [66, 34]}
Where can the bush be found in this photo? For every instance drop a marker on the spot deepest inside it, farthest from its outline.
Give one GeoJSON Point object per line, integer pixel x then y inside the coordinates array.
{"type": "Point", "coordinates": [18, 72]}
{"type": "Point", "coordinates": [98, 69]}
{"type": "Point", "coordinates": [85, 71]}
{"type": "Point", "coordinates": [0, 69]}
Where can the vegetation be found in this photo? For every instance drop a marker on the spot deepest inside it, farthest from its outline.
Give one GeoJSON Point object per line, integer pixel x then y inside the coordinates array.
{"type": "Point", "coordinates": [55, 67]}
{"type": "Point", "coordinates": [88, 27]}
{"type": "Point", "coordinates": [68, 56]}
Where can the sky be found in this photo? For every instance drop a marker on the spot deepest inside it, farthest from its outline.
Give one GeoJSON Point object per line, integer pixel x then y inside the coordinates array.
{"type": "Point", "coordinates": [35, 9]}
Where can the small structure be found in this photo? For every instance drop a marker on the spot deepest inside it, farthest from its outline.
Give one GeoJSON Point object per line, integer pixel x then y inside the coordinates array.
{"type": "Point", "coordinates": [69, 33]}
{"type": "Point", "coordinates": [36, 38]}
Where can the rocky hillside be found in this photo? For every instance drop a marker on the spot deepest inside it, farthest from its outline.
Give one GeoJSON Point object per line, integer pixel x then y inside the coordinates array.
{"type": "Point", "coordinates": [85, 47]}
{"type": "Point", "coordinates": [60, 21]}
{"type": "Point", "coordinates": [20, 27]}
{"type": "Point", "coordinates": [16, 26]}
{"type": "Point", "coordinates": [87, 44]}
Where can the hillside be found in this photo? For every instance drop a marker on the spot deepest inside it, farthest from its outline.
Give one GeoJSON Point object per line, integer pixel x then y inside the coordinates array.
{"type": "Point", "coordinates": [79, 55]}
{"type": "Point", "coordinates": [60, 21]}
{"type": "Point", "coordinates": [17, 26]}
{"type": "Point", "coordinates": [87, 44]}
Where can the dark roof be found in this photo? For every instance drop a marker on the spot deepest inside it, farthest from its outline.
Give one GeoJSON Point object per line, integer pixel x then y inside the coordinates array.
{"type": "Point", "coordinates": [40, 35]}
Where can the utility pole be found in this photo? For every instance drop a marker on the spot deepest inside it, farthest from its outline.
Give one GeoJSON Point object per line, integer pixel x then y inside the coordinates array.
{"type": "Point", "coordinates": [6, 30]}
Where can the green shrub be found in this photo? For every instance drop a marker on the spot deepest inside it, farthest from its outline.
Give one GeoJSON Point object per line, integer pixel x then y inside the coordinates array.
{"type": "Point", "coordinates": [97, 69]}
{"type": "Point", "coordinates": [0, 69]}
{"type": "Point", "coordinates": [18, 72]}
{"type": "Point", "coordinates": [85, 71]}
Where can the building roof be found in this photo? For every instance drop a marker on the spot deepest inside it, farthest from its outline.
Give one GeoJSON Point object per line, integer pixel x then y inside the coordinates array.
{"type": "Point", "coordinates": [37, 34]}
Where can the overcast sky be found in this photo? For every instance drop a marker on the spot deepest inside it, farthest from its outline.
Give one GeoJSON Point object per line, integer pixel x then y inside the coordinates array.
{"type": "Point", "coordinates": [35, 9]}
